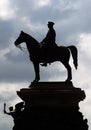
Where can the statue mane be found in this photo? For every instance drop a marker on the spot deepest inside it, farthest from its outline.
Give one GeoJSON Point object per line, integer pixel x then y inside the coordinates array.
{"type": "Point", "coordinates": [30, 37]}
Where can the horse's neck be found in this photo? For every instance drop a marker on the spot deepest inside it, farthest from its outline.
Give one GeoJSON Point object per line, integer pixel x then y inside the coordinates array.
{"type": "Point", "coordinates": [31, 42]}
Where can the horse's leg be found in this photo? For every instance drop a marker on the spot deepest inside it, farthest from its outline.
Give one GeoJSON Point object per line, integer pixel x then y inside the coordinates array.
{"type": "Point", "coordinates": [37, 75]}
{"type": "Point", "coordinates": [69, 73]}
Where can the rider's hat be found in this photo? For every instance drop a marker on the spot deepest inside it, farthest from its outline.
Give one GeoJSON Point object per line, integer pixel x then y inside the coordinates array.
{"type": "Point", "coordinates": [51, 23]}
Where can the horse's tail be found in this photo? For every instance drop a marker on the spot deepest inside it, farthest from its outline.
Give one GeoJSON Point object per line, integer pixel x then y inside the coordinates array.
{"type": "Point", "coordinates": [74, 53]}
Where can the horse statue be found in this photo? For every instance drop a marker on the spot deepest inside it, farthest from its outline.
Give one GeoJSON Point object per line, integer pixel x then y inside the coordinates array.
{"type": "Point", "coordinates": [57, 53]}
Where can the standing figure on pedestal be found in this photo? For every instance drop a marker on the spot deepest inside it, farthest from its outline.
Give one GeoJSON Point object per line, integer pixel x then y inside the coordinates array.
{"type": "Point", "coordinates": [16, 114]}
{"type": "Point", "coordinates": [11, 111]}
{"type": "Point", "coordinates": [49, 40]}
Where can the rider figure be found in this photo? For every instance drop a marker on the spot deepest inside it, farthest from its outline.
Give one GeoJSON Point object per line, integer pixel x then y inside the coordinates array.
{"type": "Point", "coordinates": [50, 38]}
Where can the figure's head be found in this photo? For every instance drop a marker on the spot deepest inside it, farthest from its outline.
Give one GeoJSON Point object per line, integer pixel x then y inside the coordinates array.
{"type": "Point", "coordinates": [50, 24]}
{"type": "Point", "coordinates": [11, 108]}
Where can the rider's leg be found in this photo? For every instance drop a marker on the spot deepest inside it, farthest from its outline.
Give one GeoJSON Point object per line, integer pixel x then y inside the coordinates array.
{"type": "Point", "coordinates": [45, 55]}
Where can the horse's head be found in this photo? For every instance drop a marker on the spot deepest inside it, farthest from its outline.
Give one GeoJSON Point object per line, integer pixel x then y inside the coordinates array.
{"type": "Point", "coordinates": [31, 43]}
{"type": "Point", "coordinates": [20, 39]}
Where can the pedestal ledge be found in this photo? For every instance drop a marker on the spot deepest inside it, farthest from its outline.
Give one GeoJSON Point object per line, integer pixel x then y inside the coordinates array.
{"type": "Point", "coordinates": [52, 94]}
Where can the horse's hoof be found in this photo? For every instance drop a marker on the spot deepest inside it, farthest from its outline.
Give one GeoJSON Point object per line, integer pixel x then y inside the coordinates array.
{"type": "Point", "coordinates": [44, 64]}
{"type": "Point", "coordinates": [35, 81]}
{"type": "Point", "coordinates": [68, 80]}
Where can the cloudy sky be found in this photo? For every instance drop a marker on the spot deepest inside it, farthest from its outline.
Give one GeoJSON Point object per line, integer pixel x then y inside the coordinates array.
{"type": "Point", "coordinates": [72, 24]}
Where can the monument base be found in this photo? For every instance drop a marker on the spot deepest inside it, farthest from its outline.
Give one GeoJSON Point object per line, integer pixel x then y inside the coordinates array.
{"type": "Point", "coordinates": [51, 105]}
{"type": "Point", "coordinates": [52, 94]}
{"type": "Point", "coordinates": [51, 118]}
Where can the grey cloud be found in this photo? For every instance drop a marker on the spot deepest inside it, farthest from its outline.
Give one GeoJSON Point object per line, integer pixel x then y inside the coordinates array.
{"type": "Point", "coordinates": [11, 72]}
{"type": "Point", "coordinates": [21, 57]}
{"type": "Point", "coordinates": [6, 32]}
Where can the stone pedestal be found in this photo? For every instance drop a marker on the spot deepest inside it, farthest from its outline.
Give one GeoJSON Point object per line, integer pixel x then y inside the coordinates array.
{"type": "Point", "coordinates": [51, 105]}
{"type": "Point", "coordinates": [52, 94]}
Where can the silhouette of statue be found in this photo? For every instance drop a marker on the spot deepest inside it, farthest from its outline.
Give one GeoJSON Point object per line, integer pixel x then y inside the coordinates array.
{"type": "Point", "coordinates": [49, 40]}
{"type": "Point", "coordinates": [58, 53]}
{"type": "Point", "coordinates": [12, 112]}
{"type": "Point", "coordinates": [16, 114]}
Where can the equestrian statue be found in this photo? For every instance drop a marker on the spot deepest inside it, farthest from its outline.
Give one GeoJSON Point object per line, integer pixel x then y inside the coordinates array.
{"type": "Point", "coordinates": [54, 53]}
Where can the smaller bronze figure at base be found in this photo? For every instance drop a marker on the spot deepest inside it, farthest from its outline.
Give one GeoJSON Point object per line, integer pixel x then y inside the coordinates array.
{"type": "Point", "coordinates": [16, 114]}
